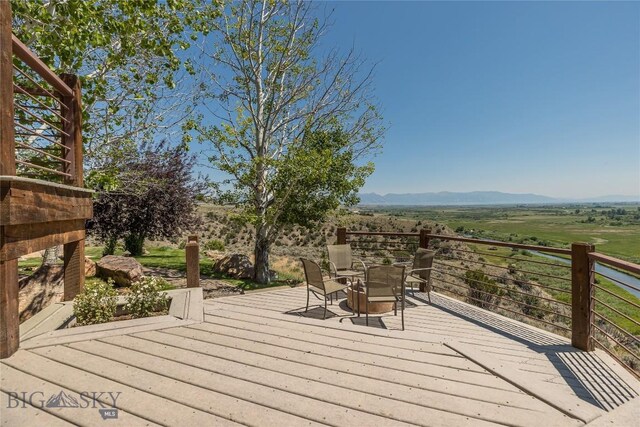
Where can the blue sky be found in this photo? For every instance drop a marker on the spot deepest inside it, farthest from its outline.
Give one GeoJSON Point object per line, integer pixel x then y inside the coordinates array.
{"type": "Point", "coordinates": [540, 97]}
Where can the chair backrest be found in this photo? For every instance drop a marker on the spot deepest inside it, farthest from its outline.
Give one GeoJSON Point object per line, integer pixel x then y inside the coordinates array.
{"type": "Point", "coordinates": [340, 255]}
{"type": "Point", "coordinates": [384, 280]}
{"type": "Point", "coordinates": [423, 259]}
{"type": "Point", "coordinates": [313, 273]}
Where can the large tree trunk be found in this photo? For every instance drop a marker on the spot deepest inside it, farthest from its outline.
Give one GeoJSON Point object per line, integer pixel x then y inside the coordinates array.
{"type": "Point", "coordinates": [261, 266]}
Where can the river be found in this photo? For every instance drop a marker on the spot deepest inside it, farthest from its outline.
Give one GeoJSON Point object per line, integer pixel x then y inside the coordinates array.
{"type": "Point", "coordinates": [616, 274]}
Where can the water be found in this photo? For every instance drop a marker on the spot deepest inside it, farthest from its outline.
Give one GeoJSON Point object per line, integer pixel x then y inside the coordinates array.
{"type": "Point", "coordinates": [616, 274]}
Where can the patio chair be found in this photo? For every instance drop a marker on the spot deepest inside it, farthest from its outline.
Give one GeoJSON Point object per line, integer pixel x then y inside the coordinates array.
{"type": "Point", "coordinates": [420, 271]}
{"type": "Point", "coordinates": [319, 285]}
{"type": "Point", "coordinates": [385, 283]}
{"type": "Point", "coordinates": [341, 263]}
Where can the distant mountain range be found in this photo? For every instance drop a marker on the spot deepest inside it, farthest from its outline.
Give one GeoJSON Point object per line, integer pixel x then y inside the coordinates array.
{"type": "Point", "coordinates": [445, 198]}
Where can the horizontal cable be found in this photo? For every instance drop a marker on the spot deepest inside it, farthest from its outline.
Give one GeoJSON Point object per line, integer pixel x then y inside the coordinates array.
{"type": "Point", "coordinates": [616, 341]}
{"type": "Point", "coordinates": [615, 357]}
{"type": "Point", "coordinates": [518, 302]}
{"type": "Point", "coordinates": [45, 106]}
{"type": "Point", "coordinates": [502, 244]}
{"type": "Point", "coordinates": [37, 150]}
{"type": "Point", "coordinates": [619, 328]}
{"type": "Point", "coordinates": [506, 268]}
{"type": "Point", "coordinates": [34, 82]}
{"type": "Point", "coordinates": [509, 290]}
{"type": "Point", "coordinates": [514, 258]}
{"type": "Point", "coordinates": [617, 296]}
{"type": "Point", "coordinates": [381, 233]}
{"type": "Point", "coordinates": [617, 281]}
{"type": "Point", "coordinates": [27, 164]}
{"type": "Point", "coordinates": [617, 311]}
{"type": "Point", "coordinates": [40, 119]}
{"type": "Point", "coordinates": [506, 309]}
{"type": "Point", "coordinates": [32, 133]}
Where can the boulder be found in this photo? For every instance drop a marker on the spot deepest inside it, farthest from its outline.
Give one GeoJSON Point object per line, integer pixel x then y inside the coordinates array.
{"type": "Point", "coordinates": [214, 255]}
{"type": "Point", "coordinates": [89, 267]}
{"type": "Point", "coordinates": [236, 266]}
{"type": "Point", "coordinates": [123, 270]}
{"type": "Point", "coordinates": [45, 286]}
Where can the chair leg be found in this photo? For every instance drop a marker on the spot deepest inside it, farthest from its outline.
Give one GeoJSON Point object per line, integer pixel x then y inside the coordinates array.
{"type": "Point", "coordinates": [307, 309]}
{"type": "Point", "coordinates": [395, 308]}
{"type": "Point", "coordinates": [331, 298]}
{"type": "Point", "coordinates": [366, 306]}
{"type": "Point", "coordinates": [325, 308]}
{"type": "Point", "coordinates": [402, 312]}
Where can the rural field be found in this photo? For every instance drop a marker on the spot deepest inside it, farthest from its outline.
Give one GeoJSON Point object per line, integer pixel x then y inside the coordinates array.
{"type": "Point", "coordinates": [613, 228]}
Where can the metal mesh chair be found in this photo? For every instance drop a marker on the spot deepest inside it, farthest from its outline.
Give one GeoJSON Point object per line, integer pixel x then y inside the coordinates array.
{"type": "Point", "coordinates": [318, 285]}
{"type": "Point", "coordinates": [341, 262]}
{"type": "Point", "coordinates": [385, 283]}
{"type": "Point", "coordinates": [420, 272]}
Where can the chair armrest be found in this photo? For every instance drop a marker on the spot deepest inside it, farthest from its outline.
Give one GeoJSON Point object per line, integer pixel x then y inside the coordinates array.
{"type": "Point", "coordinates": [409, 272]}
{"type": "Point", "coordinates": [364, 266]}
{"type": "Point", "coordinates": [335, 269]}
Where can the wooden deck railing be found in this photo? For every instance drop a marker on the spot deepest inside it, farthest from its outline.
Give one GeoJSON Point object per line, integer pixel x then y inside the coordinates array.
{"type": "Point", "coordinates": [552, 288]}
{"type": "Point", "coordinates": [47, 121]}
{"type": "Point", "coordinates": [43, 203]}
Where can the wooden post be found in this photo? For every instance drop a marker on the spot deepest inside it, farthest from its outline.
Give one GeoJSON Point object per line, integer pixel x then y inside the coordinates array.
{"type": "Point", "coordinates": [72, 112]}
{"type": "Point", "coordinates": [73, 269]}
{"type": "Point", "coordinates": [192, 251]}
{"type": "Point", "coordinates": [9, 321]}
{"type": "Point", "coordinates": [581, 296]}
{"type": "Point", "coordinates": [342, 236]}
{"type": "Point", "coordinates": [424, 244]}
{"type": "Point", "coordinates": [424, 238]}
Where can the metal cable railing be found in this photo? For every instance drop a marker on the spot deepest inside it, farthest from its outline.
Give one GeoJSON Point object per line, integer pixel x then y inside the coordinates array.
{"type": "Point", "coordinates": [43, 124]}
{"type": "Point", "coordinates": [616, 322]}
{"type": "Point", "coordinates": [530, 289]}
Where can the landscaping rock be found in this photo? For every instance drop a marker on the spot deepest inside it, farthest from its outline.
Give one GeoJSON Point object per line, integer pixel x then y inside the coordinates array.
{"type": "Point", "coordinates": [123, 270]}
{"type": "Point", "coordinates": [89, 267]}
{"type": "Point", "coordinates": [217, 289]}
{"type": "Point", "coordinates": [236, 266]}
{"type": "Point", "coordinates": [45, 286]}
{"type": "Point", "coordinates": [214, 255]}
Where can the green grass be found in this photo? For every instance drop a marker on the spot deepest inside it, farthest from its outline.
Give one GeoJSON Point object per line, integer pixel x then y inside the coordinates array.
{"type": "Point", "coordinates": [558, 226]}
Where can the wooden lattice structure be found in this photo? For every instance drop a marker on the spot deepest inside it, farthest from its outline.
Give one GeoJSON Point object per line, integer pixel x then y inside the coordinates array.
{"type": "Point", "coordinates": [43, 202]}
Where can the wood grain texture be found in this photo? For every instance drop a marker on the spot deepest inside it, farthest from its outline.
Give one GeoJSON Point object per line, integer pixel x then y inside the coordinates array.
{"type": "Point", "coordinates": [7, 141]}
{"type": "Point", "coordinates": [10, 330]}
{"type": "Point", "coordinates": [581, 296]}
{"type": "Point", "coordinates": [24, 239]}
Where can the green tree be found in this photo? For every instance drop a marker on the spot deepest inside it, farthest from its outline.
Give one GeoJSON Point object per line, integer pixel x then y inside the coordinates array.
{"type": "Point", "coordinates": [125, 53]}
{"type": "Point", "coordinates": [285, 114]}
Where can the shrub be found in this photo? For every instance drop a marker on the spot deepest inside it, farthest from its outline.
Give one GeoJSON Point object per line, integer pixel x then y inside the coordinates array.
{"type": "Point", "coordinates": [146, 297]}
{"type": "Point", "coordinates": [483, 291]}
{"type": "Point", "coordinates": [96, 303]}
{"type": "Point", "coordinates": [214, 245]}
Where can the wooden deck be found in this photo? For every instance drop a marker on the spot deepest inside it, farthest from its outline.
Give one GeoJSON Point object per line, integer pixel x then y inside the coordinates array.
{"type": "Point", "coordinates": [260, 360]}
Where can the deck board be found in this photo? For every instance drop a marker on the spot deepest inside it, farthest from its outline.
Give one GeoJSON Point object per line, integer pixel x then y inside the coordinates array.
{"type": "Point", "coordinates": [260, 360]}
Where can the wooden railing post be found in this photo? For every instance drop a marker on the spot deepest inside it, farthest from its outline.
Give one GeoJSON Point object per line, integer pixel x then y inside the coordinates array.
{"type": "Point", "coordinates": [72, 112]}
{"type": "Point", "coordinates": [342, 236]}
{"type": "Point", "coordinates": [9, 321]}
{"type": "Point", "coordinates": [424, 238]}
{"type": "Point", "coordinates": [424, 243]}
{"type": "Point", "coordinates": [73, 251]}
{"type": "Point", "coordinates": [581, 296]}
{"type": "Point", "coordinates": [192, 251]}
